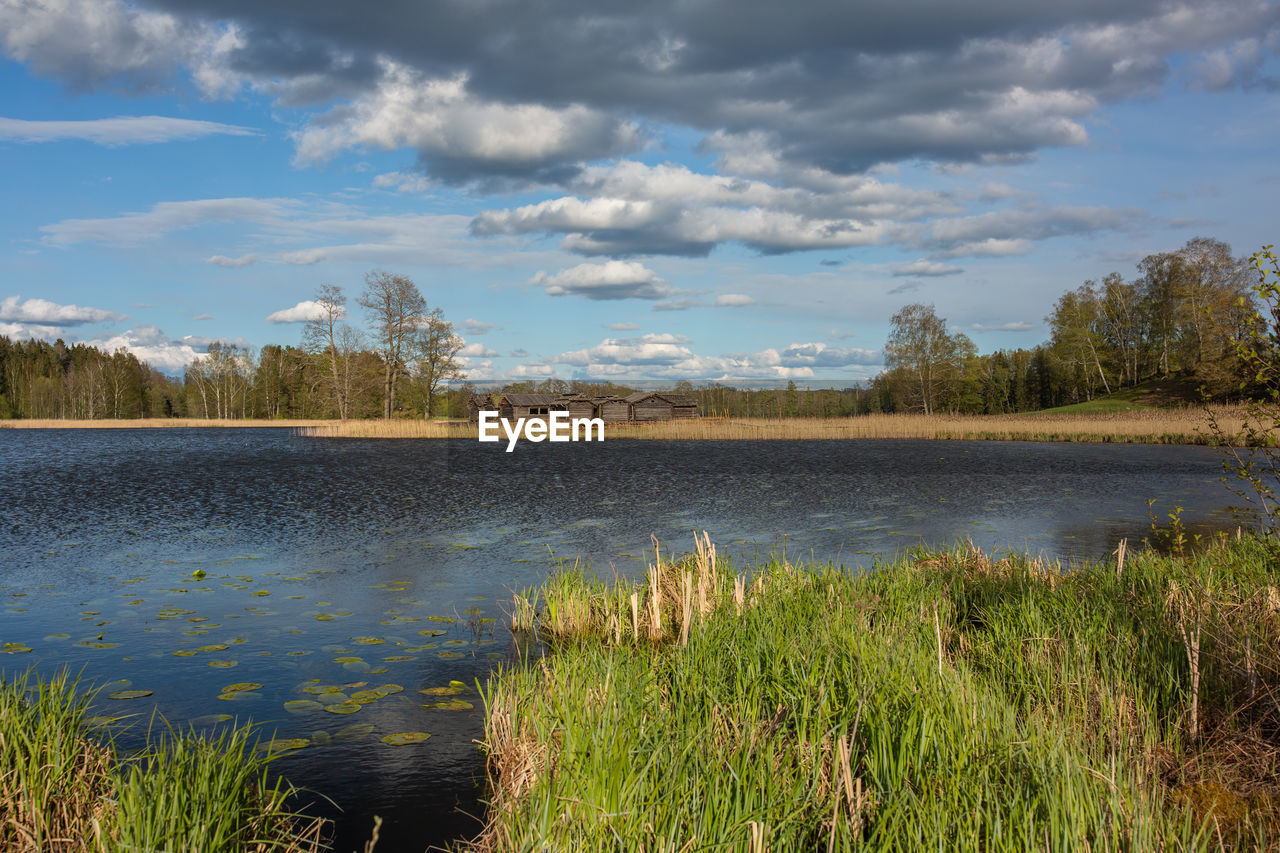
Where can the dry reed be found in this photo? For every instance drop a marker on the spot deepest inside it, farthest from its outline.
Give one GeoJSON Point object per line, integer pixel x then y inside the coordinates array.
{"type": "Point", "coordinates": [1154, 426]}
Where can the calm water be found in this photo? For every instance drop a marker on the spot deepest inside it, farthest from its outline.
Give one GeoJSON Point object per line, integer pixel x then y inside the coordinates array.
{"type": "Point", "coordinates": [397, 556]}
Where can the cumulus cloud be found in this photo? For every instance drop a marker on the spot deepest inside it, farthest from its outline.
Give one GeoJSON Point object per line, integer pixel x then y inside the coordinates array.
{"type": "Point", "coordinates": [45, 313]}
{"type": "Point", "coordinates": [475, 327]}
{"type": "Point", "coordinates": [224, 261]}
{"type": "Point", "coordinates": [304, 312]}
{"type": "Point", "coordinates": [460, 136]}
{"type": "Point", "coordinates": [622, 327]}
{"type": "Point", "coordinates": [30, 331]}
{"type": "Point", "coordinates": [734, 300]}
{"type": "Point", "coordinates": [666, 356]}
{"type": "Point", "coordinates": [304, 257]}
{"type": "Point", "coordinates": [121, 130]}
{"type": "Point", "coordinates": [151, 345]}
{"type": "Point", "coordinates": [606, 281]}
{"type": "Point", "coordinates": [478, 350]}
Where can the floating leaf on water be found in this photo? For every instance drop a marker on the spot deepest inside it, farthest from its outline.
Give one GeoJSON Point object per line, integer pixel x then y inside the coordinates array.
{"type": "Point", "coordinates": [355, 732]}
{"type": "Point", "coordinates": [199, 574]}
{"type": "Point", "coordinates": [185, 653]}
{"type": "Point", "coordinates": [433, 632]}
{"type": "Point", "coordinates": [137, 602]}
{"type": "Point", "coordinates": [451, 655]}
{"type": "Point", "coordinates": [441, 691]}
{"type": "Point", "coordinates": [129, 694]}
{"type": "Point", "coordinates": [322, 688]}
{"type": "Point", "coordinates": [346, 659]}
{"type": "Point", "coordinates": [301, 706]}
{"type": "Point", "coordinates": [390, 689]}
{"type": "Point", "coordinates": [378, 671]}
{"type": "Point", "coordinates": [239, 696]}
{"type": "Point", "coordinates": [295, 654]}
{"type": "Point", "coordinates": [332, 698]}
{"type": "Point", "coordinates": [343, 708]}
{"type": "Point", "coordinates": [448, 620]}
{"type": "Point", "coordinates": [456, 683]}
{"type": "Point", "coordinates": [14, 648]}
{"type": "Point", "coordinates": [242, 685]}
{"type": "Point", "coordinates": [451, 705]}
{"type": "Point", "coordinates": [356, 666]}
{"type": "Point", "coordinates": [355, 684]}
{"type": "Point", "coordinates": [214, 647]}
{"type": "Point", "coordinates": [369, 641]}
{"type": "Point", "coordinates": [397, 658]}
{"type": "Point", "coordinates": [405, 738]}
{"type": "Point", "coordinates": [209, 720]}
{"type": "Point", "coordinates": [97, 645]}
{"type": "Point", "coordinates": [364, 697]}
{"type": "Point", "coordinates": [454, 643]}
{"type": "Point", "coordinates": [224, 664]}
{"type": "Point", "coordinates": [58, 637]}
{"type": "Point", "coordinates": [261, 592]}
{"type": "Point", "coordinates": [321, 738]}
{"type": "Point", "coordinates": [284, 744]}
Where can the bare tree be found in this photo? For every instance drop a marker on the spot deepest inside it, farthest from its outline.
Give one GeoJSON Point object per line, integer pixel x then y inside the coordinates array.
{"type": "Point", "coordinates": [328, 335]}
{"type": "Point", "coordinates": [435, 347]}
{"type": "Point", "coordinates": [396, 309]}
{"type": "Point", "coordinates": [930, 358]}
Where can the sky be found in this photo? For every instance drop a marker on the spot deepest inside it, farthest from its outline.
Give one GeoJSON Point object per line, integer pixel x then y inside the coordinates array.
{"type": "Point", "coordinates": [703, 190]}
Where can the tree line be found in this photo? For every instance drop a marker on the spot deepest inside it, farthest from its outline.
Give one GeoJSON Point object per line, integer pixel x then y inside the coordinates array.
{"type": "Point", "coordinates": [1180, 318]}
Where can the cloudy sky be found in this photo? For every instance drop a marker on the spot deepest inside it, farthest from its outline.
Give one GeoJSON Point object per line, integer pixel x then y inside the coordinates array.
{"type": "Point", "coordinates": [671, 190]}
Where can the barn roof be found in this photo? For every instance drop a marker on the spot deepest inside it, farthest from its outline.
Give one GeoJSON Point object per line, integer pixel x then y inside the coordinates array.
{"type": "Point", "coordinates": [530, 399]}
{"type": "Point", "coordinates": [681, 399]}
{"type": "Point", "coordinates": [644, 395]}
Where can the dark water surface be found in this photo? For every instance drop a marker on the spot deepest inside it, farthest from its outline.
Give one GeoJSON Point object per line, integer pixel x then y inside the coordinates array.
{"type": "Point", "coordinates": [316, 549]}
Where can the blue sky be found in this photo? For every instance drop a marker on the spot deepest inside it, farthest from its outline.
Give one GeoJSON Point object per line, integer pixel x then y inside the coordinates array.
{"type": "Point", "coordinates": [684, 191]}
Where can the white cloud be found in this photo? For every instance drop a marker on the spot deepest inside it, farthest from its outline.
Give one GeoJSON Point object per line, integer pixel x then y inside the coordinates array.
{"type": "Point", "coordinates": [1014, 326]}
{"type": "Point", "coordinates": [622, 327]}
{"type": "Point", "coordinates": [305, 257]}
{"type": "Point", "coordinates": [734, 300]}
{"type": "Point", "coordinates": [151, 345]}
{"type": "Point", "coordinates": [475, 327]}
{"type": "Point", "coordinates": [44, 312]}
{"type": "Point", "coordinates": [132, 229]}
{"type": "Point", "coordinates": [924, 267]}
{"type": "Point", "coordinates": [478, 350]}
{"type": "Point", "coordinates": [610, 280]}
{"type": "Point", "coordinates": [304, 312]}
{"type": "Point", "coordinates": [28, 331]}
{"type": "Point", "coordinates": [677, 305]}
{"type": "Point", "coordinates": [460, 133]}
{"type": "Point", "coordinates": [200, 317]}
{"type": "Point", "coordinates": [224, 261]}
{"type": "Point", "coordinates": [121, 130]}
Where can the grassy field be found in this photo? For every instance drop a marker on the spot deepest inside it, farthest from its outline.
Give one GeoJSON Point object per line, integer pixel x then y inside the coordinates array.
{"type": "Point", "coordinates": [950, 701]}
{"type": "Point", "coordinates": [62, 789]}
{"type": "Point", "coordinates": [1151, 426]}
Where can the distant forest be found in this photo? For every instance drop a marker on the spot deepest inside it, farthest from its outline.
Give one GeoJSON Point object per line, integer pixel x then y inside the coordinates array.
{"type": "Point", "coordinates": [1178, 320]}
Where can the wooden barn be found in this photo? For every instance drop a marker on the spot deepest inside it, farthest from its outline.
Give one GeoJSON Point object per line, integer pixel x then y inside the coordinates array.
{"type": "Point", "coordinates": [682, 405]}
{"type": "Point", "coordinates": [513, 406]}
{"type": "Point", "coordinates": [645, 406]}
{"type": "Point", "coordinates": [477, 404]}
{"type": "Point", "coordinates": [579, 405]}
{"type": "Point", "coordinates": [612, 410]}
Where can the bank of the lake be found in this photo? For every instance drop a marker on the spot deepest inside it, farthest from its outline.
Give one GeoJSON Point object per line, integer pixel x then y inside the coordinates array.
{"type": "Point", "coordinates": [1148, 426]}
{"type": "Point", "coordinates": [944, 701]}
{"type": "Point", "coordinates": [65, 787]}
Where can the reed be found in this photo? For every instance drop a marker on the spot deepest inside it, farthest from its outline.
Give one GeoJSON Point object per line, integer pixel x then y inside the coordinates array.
{"type": "Point", "coordinates": [1149, 426]}
{"type": "Point", "coordinates": [947, 701]}
{"type": "Point", "coordinates": [64, 790]}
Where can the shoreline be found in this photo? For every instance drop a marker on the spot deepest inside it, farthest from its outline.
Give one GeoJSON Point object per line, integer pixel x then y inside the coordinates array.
{"type": "Point", "coordinates": [1155, 426]}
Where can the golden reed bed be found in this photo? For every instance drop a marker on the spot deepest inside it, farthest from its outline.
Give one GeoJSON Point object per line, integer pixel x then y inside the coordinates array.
{"type": "Point", "coordinates": [1157, 426]}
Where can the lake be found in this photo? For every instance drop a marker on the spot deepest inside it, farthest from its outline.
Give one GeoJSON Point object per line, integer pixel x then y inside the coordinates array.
{"type": "Point", "coordinates": [335, 562]}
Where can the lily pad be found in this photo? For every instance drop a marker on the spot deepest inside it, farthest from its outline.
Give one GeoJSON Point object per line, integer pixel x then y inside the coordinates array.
{"type": "Point", "coordinates": [185, 653]}
{"type": "Point", "coordinates": [441, 691]}
{"type": "Point", "coordinates": [347, 659]}
{"type": "Point", "coordinates": [15, 648]}
{"type": "Point", "coordinates": [357, 666]}
{"type": "Point", "coordinates": [405, 738]}
{"type": "Point", "coordinates": [451, 656]}
{"type": "Point", "coordinates": [369, 641]}
{"type": "Point", "coordinates": [224, 664]}
{"type": "Point", "coordinates": [321, 738]}
{"type": "Point", "coordinates": [398, 658]}
{"type": "Point", "coordinates": [451, 705]}
{"type": "Point", "coordinates": [302, 706]}
{"type": "Point", "coordinates": [214, 647]}
{"type": "Point", "coordinates": [343, 708]}
{"type": "Point", "coordinates": [239, 696]}
{"type": "Point", "coordinates": [332, 698]}
{"type": "Point", "coordinates": [390, 689]}
{"type": "Point", "coordinates": [129, 694]}
{"type": "Point", "coordinates": [209, 720]}
{"type": "Point", "coordinates": [285, 744]}
{"type": "Point", "coordinates": [242, 685]}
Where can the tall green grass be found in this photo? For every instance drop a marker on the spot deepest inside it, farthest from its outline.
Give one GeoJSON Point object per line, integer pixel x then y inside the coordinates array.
{"type": "Point", "coordinates": [945, 702]}
{"type": "Point", "coordinates": [62, 789]}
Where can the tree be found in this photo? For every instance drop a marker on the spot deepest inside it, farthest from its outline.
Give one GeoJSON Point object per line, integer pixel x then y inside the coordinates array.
{"type": "Point", "coordinates": [396, 309]}
{"type": "Point", "coordinates": [435, 347]}
{"type": "Point", "coordinates": [927, 357]}
{"type": "Point", "coordinates": [326, 334]}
